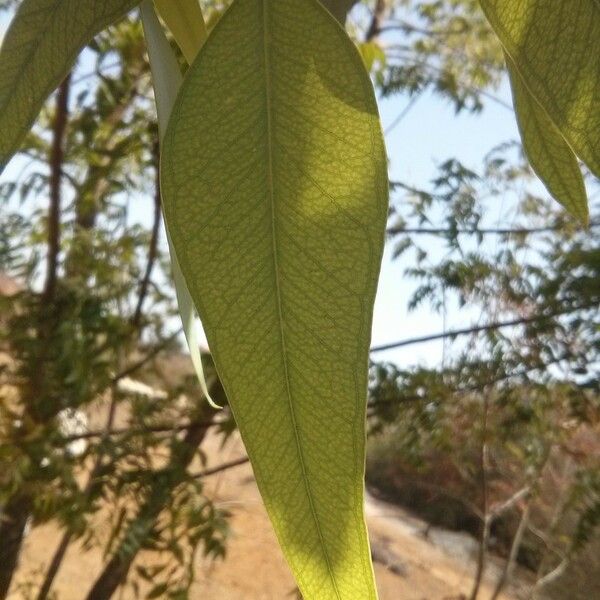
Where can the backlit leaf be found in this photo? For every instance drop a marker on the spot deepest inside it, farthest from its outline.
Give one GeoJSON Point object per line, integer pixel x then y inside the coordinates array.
{"type": "Point", "coordinates": [549, 154]}
{"type": "Point", "coordinates": [184, 19]}
{"type": "Point", "coordinates": [555, 47]}
{"type": "Point", "coordinates": [167, 79]}
{"type": "Point", "coordinates": [38, 50]}
{"type": "Point", "coordinates": [275, 187]}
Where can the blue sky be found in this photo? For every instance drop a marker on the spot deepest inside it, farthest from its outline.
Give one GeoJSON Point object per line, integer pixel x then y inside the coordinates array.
{"type": "Point", "coordinates": [429, 134]}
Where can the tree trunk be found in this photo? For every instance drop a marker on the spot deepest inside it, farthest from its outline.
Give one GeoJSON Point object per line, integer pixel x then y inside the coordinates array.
{"type": "Point", "coordinates": [13, 520]}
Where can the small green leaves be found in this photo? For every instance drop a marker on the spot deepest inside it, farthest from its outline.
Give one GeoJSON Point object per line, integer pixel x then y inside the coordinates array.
{"type": "Point", "coordinates": [549, 154]}
{"type": "Point", "coordinates": [555, 49]}
{"type": "Point", "coordinates": [274, 181]}
{"type": "Point", "coordinates": [40, 47]}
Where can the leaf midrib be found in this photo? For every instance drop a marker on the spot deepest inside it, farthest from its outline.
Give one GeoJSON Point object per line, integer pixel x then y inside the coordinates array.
{"type": "Point", "coordinates": [271, 194]}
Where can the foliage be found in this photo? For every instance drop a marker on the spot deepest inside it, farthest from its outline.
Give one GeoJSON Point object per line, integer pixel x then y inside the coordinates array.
{"type": "Point", "coordinates": [70, 355]}
{"type": "Point", "coordinates": [564, 84]}
{"type": "Point", "coordinates": [528, 374]}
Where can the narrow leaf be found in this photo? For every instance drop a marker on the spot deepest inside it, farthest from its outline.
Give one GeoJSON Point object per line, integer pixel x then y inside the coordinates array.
{"type": "Point", "coordinates": [549, 154]}
{"type": "Point", "coordinates": [275, 193]}
{"type": "Point", "coordinates": [167, 79]}
{"type": "Point", "coordinates": [184, 19]}
{"type": "Point", "coordinates": [38, 50]}
{"type": "Point", "coordinates": [555, 47]}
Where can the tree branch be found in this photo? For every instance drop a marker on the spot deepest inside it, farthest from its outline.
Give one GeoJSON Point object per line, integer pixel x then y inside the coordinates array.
{"type": "Point", "coordinates": [221, 468]}
{"type": "Point", "coordinates": [59, 126]}
{"type": "Point", "coordinates": [153, 246]}
{"type": "Point", "coordinates": [377, 20]}
{"type": "Point", "coordinates": [469, 330]}
{"type": "Point", "coordinates": [484, 231]}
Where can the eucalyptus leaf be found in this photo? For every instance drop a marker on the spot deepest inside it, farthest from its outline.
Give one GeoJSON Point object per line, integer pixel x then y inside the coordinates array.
{"type": "Point", "coordinates": [184, 19]}
{"type": "Point", "coordinates": [555, 47]}
{"type": "Point", "coordinates": [549, 154]}
{"type": "Point", "coordinates": [39, 49]}
{"type": "Point", "coordinates": [275, 193]}
{"type": "Point", "coordinates": [167, 79]}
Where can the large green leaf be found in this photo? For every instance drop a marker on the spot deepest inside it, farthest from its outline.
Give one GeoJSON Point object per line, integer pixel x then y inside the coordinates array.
{"type": "Point", "coordinates": [166, 79]}
{"type": "Point", "coordinates": [38, 50]}
{"type": "Point", "coordinates": [555, 47]}
{"type": "Point", "coordinates": [275, 187]}
{"type": "Point", "coordinates": [549, 154]}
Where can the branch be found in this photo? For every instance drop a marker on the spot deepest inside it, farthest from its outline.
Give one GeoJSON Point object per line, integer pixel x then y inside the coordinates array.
{"type": "Point", "coordinates": [59, 126]}
{"type": "Point", "coordinates": [511, 561]}
{"type": "Point", "coordinates": [376, 22]}
{"type": "Point", "coordinates": [137, 431]}
{"type": "Point", "coordinates": [145, 359]}
{"type": "Point", "coordinates": [153, 247]}
{"type": "Point", "coordinates": [469, 330]}
{"type": "Point", "coordinates": [511, 502]}
{"type": "Point", "coordinates": [473, 231]}
{"type": "Point", "coordinates": [220, 468]}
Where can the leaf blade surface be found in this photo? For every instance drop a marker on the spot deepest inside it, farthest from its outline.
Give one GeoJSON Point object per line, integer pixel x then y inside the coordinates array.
{"type": "Point", "coordinates": [38, 50]}
{"type": "Point", "coordinates": [274, 168]}
{"type": "Point", "coordinates": [185, 20]}
{"type": "Point", "coordinates": [555, 46]}
{"type": "Point", "coordinates": [549, 154]}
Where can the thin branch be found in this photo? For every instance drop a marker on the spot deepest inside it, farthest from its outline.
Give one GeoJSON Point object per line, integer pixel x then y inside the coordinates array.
{"type": "Point", "coordinates": [406, 27]}
{"type": "Point", "coordinates": [220, 468]}
{"type": "Point", "coordinates": [59, 127]}
{"type": "Point", "coordinates": [133, 431]}
{"type": "Point", "coordinates": [507, 505]}
{"type": "Point", "coordinates": [509, 565]}
{"type": "Point", "coordinates": [402, 115]}
{"type": "Point", "coordinates": [153, 246]}
{"type": "Point", "coordinates": [468, 330]}
{"type": "Point", "coordinates": [551, 576]}
{"type": "Point", "coordinates": [487, 515]}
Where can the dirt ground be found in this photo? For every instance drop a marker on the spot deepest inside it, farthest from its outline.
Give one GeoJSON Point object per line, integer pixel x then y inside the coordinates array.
{"type": "Point", "coordinates": [410, 562]}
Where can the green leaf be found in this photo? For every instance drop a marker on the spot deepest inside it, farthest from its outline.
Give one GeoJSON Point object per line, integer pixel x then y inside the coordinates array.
{"type": "Point", "coordinates": [184, 19]}
{"type": "Point", "coordinates": [549, 154]}
{"type": "Point", "coordinates": [275, 190]}
{"type": "Point", "coordinates": [372, 54]}
{"type": "Point", "coordinates": [555, 47]}
{"type": "Point", "coordinates": [38, 51]}
{"type": "Point", "coordinates": [167, 79]}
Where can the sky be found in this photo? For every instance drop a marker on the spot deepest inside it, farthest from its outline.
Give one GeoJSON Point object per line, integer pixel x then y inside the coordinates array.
{"type": "Point", "coordinates": [430, 133]}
